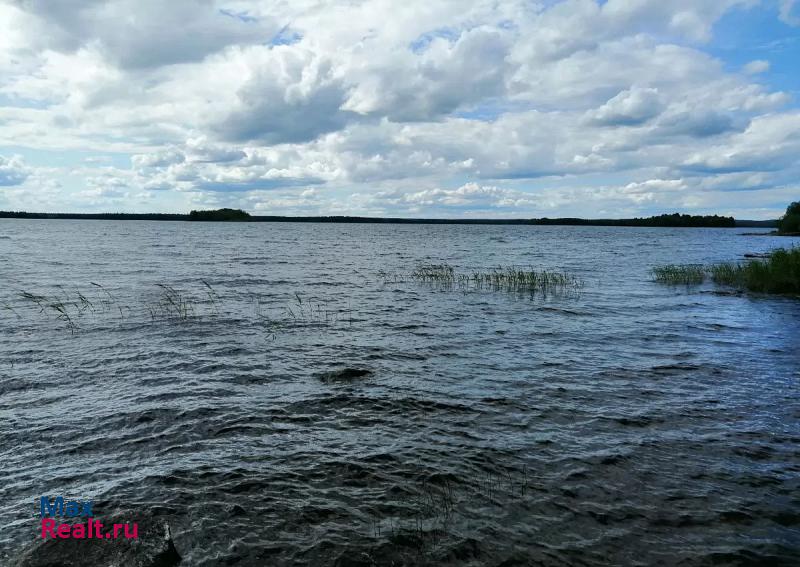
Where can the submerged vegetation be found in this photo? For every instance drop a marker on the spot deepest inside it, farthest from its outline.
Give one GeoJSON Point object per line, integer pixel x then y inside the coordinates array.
{"type": "Point", "coordinates": [423, 532]}
{"type": "Point", "coordinates": [779, 273]}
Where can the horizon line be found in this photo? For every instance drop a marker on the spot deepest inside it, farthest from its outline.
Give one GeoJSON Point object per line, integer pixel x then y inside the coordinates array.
{"type": "Point", "coordinates": [620, 221]}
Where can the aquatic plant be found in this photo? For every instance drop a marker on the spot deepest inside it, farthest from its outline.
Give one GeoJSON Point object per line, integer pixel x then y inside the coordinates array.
{"type": "Point", "coordinates": [84, 302]}
{"type": "Point", "coordinates": [52, 306]}
{"type": "Point", "coordinates": [108, 299]}
{"type": "Point", "coordinates": [778, 273]}
{"type": "Point", "coordinates": [439, 503]}
{"type": "Point", "coordinates": [272, 326]}
{"type": "Point", "coordinates": [171, 304]}
{"type": "Point", "coordinates": [63, 315]}
{"type": "Point", "coordinates": [442, 273]}
{"type": "Point", "coordinates": [728, 274]}
{"type": "Point", "coordinates": [315, 312]}
{"type": "Point", "coordinates": [34, 298]}
{"type": "Point", "coordinates": [8, 307]}
{"type": "Point", "coordinates": [212, 295]}
{"type": "Point", "coordinates": [685, 274]}
{"type": "Point", "coordinates": [519, 279]}
{"type": "Point", "coordinates": [501, 278]}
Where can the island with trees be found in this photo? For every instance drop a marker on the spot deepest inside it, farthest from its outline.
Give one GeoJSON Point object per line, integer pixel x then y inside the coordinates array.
{"type": "Point", "coordinates": [226, 215]}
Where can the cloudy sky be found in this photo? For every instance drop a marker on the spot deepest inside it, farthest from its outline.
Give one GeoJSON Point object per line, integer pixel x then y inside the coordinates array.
{"type": "Point", "coordinates": [414, 108]}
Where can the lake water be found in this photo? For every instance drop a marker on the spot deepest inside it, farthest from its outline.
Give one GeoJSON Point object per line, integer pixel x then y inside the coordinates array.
{"type": "Point", "coordinates": [627, 423]}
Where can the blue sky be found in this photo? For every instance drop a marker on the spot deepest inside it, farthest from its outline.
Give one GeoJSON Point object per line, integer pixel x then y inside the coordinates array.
{"type": "Point", "coordinates": [449, 109]}
{"type": "Point", "coordinates": [746, 34]}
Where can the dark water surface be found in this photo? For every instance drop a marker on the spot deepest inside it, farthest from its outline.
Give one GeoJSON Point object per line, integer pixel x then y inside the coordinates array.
{"type": "Point", "coordinates": [630, 424]}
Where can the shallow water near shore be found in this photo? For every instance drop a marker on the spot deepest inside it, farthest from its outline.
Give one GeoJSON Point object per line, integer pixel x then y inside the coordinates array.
{"type": "Point", "coordinates": [626, 423]}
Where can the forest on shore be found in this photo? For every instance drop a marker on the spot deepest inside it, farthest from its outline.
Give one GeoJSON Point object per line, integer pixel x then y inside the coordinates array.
{"type": "Point", "coordinates": [238, 215]}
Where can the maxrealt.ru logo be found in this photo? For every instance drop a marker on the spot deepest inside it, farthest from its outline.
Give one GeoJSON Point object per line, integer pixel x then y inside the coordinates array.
{"type": "Point", "coordinates": [71, 509]}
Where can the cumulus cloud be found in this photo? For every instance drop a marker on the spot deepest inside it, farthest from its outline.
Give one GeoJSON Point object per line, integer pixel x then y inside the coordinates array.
{"type": "Point", "coordinates": [161, 158]}
{"type": "Point", "coordinates": [142, 33]}
{"type": "Point", "coordinates": [467, 194]}
{"type": "Point", "coordinates": [292, 96]}
{"type": "Point", "coordinates": [12, 171]}
{"type": "Point", "coordinates": [428, 83]}
{"type": "Point", "coordinates": [698, 123]}
{"type": "Point", "coordinates": [416, 106]}
{"type": "Point", "coordinates": [770, 143]}
{"type": "Point", "coordinates": [629, 108]}
{"type": "Point", "coordinates": [471, 197]}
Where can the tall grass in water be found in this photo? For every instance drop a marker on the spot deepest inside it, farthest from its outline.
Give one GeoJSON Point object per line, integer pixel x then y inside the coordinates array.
{"type": "Point", "coordinates": [172, 304]}
{"type": "Point", "coordinates": [687, 274]}
{"type": "Point", "coordinates": [316, 312]}
{"type": "Point", "coordinates": [729, 274]}
{"type": "Point", "coordinates": [508, 278]}
{"type": "Point", "coordinates": [440, 273]}
{"type": "Point", "coordinates": [52, 306]}
{"type": "Point", "coordinates": [778, 273]}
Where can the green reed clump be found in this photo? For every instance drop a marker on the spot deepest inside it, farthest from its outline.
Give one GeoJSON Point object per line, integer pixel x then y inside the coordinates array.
{"type": "Point", "coordinates": [440, 273]}
{"type": "Point", "coordinates": [675, 274]}
{"type": "Point", "coordinates": [508, 278]}
{"type": "Point", "coordinates": [729, 274]}
{"type": "Point", "coordinates": [778, 273]}
{"type": "Point", "coordinates": [514, 278]}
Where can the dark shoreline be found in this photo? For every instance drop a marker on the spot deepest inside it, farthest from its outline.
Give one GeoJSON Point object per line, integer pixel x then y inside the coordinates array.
{"type": "Point", "coordinates": [771, 233]}
{"type": "Point", "coordinates": [675, 221]}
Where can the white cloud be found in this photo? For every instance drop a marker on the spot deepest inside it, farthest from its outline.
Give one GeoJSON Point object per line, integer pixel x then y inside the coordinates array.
{"type": "Point", "coordinates": [467, 194]}
{"type": "Point", "coordinates": [789, 12]}
{"type": "Point", "coordinates": [444, 106]}
{"type": "Point", "coordinates": [142, 33]}
{"type": "Point", "coordinates": [442, 77]}
{"type": "Point", "coordinates": [12, 171]}
{"type": "Point", "coordinates": [757, 66]}
{"type": "Point", "coordinates": [161, 158]}
{"type": "Point", "coordinates": [629, 108]}
{"type": "Point", "coordinates": [770, 143]}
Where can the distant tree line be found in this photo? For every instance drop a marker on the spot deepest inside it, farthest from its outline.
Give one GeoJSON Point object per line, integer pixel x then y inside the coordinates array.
{"type": "Point", "coordinates": [673, 220]}
{"type": "Point", "coordinates": [666, 220]}
{"type": "Point", "coordinates": [94, 216]}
